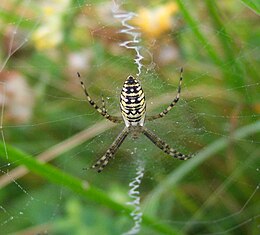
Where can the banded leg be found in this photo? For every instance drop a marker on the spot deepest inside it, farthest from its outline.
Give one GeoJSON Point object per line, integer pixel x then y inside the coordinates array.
{"type": "Point", "coordinates": [103, 105]}
{"type": "Point", "coordinates": [103, 161]}
{"type": "Point", "coordinates": [103, 110]}
{"type": "Point", "coordinates": [164, 146]}
{"type": "Point", "coordinates": [172, 104]}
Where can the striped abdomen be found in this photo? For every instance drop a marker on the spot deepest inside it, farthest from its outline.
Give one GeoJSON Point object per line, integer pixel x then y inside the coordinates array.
{"type": "Point", "coordinates": [132, 102]}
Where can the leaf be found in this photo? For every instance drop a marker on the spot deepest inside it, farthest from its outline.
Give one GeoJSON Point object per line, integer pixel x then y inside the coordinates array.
{"type": "Point", "coordinates": [253, 5]}
{"type": "Point", "coordinates": [78, 186]}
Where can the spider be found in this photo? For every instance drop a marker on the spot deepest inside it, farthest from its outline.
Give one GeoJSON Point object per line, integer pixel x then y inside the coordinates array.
{"type": "Point", "coordinates": [133, 111]}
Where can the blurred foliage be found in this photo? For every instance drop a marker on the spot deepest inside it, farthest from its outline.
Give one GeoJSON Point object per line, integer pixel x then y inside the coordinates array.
{"type": "Point", "coordinates": [45, 43]}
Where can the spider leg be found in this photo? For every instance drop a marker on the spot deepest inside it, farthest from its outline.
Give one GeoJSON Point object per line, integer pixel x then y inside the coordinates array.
{"type": "Point", "coordinates": [102, 110]}
{"type": "Point", "coordinates": [172, 104]}
{"type": "Point", "coordinates": [103, 161]}
{"type": "Point", "coordinates": [103, 105]}
{"type": "Point", "coordinates": [164, 146]}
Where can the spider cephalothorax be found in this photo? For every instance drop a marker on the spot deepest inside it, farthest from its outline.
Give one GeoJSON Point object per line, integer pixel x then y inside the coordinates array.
{"type": "Point", "coordinates": [133, 110]}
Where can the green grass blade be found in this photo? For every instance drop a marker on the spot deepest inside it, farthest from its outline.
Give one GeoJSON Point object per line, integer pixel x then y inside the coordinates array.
{"type": "Point", "coordinates": [231, 78]}
{"type": "Point", "coordinates": [215, 196]}
{"type": "Point", "coordinates": [78, 186]}
{"type": "Point", "coordinates": [253, 5]}
{"type": "Point", "coordinates": [176, 176]}
{"type": "Point", "coordinates": [224, 37]}
{"type": "Point", "coordinates": [240, 67]}
{"type": "Point", "coordinates": [197, 32]}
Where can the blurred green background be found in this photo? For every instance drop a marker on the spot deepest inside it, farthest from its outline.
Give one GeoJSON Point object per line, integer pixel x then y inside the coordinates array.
{"type": "Point", "coordinates": [45, 118]}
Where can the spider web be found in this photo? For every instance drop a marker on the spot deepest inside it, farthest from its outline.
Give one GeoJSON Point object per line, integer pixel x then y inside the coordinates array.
{"type": "Point", "coordinates": [44, 113]}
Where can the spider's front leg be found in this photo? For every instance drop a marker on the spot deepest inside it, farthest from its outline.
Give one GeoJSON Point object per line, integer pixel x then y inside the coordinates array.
{"type": "Point", "coordinates": [164, 146]}
{"type": "Point", "coordinates": [103, 161]}
{"type": "Point", "coordinates": [103, 110]}
{"type": "Point", "coordinates": [172, 104]}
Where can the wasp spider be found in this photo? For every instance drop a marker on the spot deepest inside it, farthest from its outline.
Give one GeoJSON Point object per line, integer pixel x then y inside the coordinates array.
{"type": "Point", "coordinates": [133, 110]}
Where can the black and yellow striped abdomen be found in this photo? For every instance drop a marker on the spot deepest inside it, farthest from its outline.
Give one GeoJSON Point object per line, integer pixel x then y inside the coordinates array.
{"type": "Point", "coordinates": [132, 102]}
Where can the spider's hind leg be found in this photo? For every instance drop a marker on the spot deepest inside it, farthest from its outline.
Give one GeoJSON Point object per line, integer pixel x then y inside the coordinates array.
{"type": "Point", "coordinates": [104, 160]}
{"type": "Point", "coordinates": [164, 146]}
{"type": "Point", "coordinates": [104, 109]}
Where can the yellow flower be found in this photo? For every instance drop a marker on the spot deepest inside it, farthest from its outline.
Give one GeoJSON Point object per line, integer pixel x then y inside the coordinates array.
{"type": "Point", "coordinates": [154, 22]}
{"type": "Point", "coordinates": [49, 34]}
